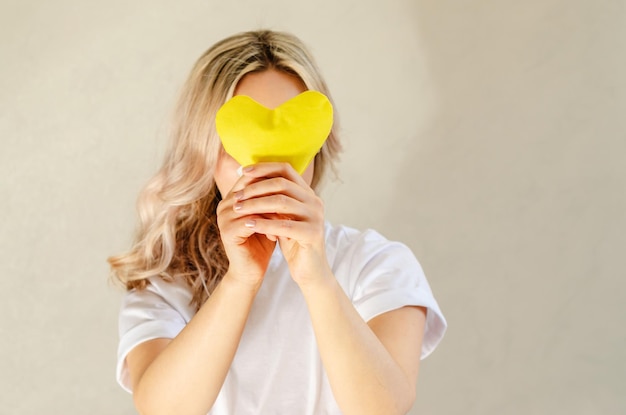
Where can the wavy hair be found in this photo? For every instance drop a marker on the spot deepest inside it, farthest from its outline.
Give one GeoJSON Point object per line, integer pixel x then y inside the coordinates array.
{"type": "Point", "coordinates": [177, 235]}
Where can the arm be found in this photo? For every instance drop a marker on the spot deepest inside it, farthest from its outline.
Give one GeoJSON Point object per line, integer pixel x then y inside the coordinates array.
{"type": "Point", "coordinates": [185, 375]}
{"type": "Point", "coordinates": [372, 367]}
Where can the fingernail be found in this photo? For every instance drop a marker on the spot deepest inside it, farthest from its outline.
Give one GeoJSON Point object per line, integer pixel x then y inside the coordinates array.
{"type": "Point", "coordinates": [250, 223]}
{"type": "Point", "coordinates": [240, 171]}
{"type": "Point", "coordinates": [248, 169]}
{"type": "Point", "coordinates": [237, 206]}
{"type": "Point", "coordinates": [238, 194]}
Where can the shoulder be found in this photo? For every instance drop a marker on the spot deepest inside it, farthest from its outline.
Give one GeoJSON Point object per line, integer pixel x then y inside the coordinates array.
{"type": "Point", "coordinates": [160, 310]}
{"type": "Point", "coordinates": [346, 243]}
{"type": "Point", "coordinates": [366, 259]}
{"type": "Point", "coordinates": [381, 275]}
{"type": "Point", "coordinates": [158, 297]}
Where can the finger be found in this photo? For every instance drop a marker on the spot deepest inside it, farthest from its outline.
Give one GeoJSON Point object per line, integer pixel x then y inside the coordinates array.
{"type": "Point", "coordinates": [241, 183]}
{"type": "Point", "coordinates": [275, 185]}
{"type": "Point", "coordinates": [238, 230]}
{"type": "Point", "coordinates": [277, 203]}
{"type": "Point", "coordinates": [274, 169]}
{"type": "Point", "coordinates": [276, 228]}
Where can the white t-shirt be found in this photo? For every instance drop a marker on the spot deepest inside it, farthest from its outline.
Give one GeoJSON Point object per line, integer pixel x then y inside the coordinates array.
{"type": "Point", "coordinates": [277, 368]}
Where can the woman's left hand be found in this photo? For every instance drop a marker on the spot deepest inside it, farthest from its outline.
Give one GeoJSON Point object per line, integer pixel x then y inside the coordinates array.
{"type": "Point", "coordinates": [293, 214]}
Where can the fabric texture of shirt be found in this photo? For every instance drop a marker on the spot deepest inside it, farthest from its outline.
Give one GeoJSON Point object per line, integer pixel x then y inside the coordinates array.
{"type": "Point", "coordinates": [277, 368]}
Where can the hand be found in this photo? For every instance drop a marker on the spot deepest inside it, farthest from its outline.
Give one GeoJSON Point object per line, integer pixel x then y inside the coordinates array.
{"type": "Point", "coordinates": [248, 252]}
{"type": "Point", "coordinates": [278, 203]}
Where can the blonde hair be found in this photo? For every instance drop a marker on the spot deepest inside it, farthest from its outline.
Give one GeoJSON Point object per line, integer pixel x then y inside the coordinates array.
{"type": "Point", "coordinates": [177, 235]}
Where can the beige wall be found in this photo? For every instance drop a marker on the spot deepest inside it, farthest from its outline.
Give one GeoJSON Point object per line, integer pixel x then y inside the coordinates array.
{"type": "Point", "coordinates": [487, 135]}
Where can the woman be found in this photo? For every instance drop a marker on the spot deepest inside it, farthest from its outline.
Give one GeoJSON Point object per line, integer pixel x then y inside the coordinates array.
{"type": "Point", "coordinates": [241, 298]}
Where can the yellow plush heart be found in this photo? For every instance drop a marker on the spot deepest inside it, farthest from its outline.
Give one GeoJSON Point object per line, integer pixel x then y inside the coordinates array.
{"type": "Point", "coordinates": [292, 132]}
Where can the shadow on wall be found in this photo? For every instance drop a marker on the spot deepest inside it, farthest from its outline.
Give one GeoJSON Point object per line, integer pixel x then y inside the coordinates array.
{"type": "Point", "coordinates": [508, 182]}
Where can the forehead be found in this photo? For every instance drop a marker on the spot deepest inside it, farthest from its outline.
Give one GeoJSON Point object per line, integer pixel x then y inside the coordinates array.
{"type": "Point", "coordinates": [270, 88]}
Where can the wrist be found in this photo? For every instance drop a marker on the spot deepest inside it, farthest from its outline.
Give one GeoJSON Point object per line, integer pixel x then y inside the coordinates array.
{"type": "Point", "coordinates": [236, 281]}
{"type": "Point", "coordinates": [323, 281]}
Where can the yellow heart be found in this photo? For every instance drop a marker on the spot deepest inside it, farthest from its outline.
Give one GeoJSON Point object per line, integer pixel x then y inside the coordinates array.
{"type": "Point", "coordinates": [292, 132]}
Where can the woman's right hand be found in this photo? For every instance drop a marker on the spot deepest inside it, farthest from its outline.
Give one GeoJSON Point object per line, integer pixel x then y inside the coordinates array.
{"type": "Point", "coordinates": [248, 252]}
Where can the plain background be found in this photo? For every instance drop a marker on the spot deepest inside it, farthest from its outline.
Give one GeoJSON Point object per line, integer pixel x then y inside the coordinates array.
{"type": "Point", "coordinates": [489, 136]}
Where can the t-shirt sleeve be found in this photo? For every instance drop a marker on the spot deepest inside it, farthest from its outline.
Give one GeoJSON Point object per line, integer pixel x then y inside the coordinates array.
{"type": "Point", "coordinates": [388, 277]}
{"type": "Point", "coordinates": [145, 315]}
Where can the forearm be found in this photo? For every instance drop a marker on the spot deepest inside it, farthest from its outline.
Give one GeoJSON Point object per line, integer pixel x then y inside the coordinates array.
{"type": "Point", "coordinates": [364, 377]}
{"type": "Point", "coordinates": [186, 377]}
